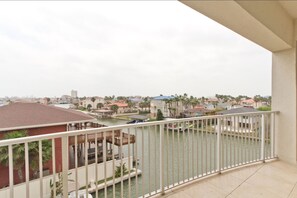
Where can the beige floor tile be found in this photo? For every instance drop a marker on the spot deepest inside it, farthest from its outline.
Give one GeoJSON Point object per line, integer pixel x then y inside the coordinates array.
{"type": "Point", "coordinates": [180, 194]}
{"type": "Point", "coordinates": [284, 166]}
{"type": "Point", "coordinates": [293, 193]}
{"type": "Point", "coordinates": [279, 173]}
{"type": "Point", "coordinates": [225, 182]}
{"type": "Point", "coordinates": [252, 191]}
{"type": "Point", "coordinates": [271, 183]}
{"type": "Point", "coordinates": [244, 173]}
{"type": "Point", "coordinates": [204, 190]}
{"type": "Point", "coordinates": [269, 180]}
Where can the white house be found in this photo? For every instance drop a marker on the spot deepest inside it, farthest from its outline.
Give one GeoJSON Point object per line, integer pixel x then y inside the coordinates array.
{"type": "Point", "coordinates": [168, 106]}
{"type": "Point", "coordinates": [88, 101]}
{"type": "Point", "coordinates": [240, 123]}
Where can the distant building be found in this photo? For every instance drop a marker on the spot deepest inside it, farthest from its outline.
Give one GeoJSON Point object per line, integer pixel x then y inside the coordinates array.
{"type": "Point", "coordinates": [88, 102]}
{"type": "Point", "coordinates": [196, 112]}
{"type": "Point", "coordinates": [168, 106]}
{"type": "Point", "coordinates": [241, 123]}
{"type": "Point", "coordinates": [123, 107]}
{"type": "Point", "coordinates": [65, 99]}
{"type": "Point", "coordinates": [73, 93]}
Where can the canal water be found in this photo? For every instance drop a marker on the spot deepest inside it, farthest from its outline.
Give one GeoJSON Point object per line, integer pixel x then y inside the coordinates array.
{"type": "Point", "coordinates": [186, 154]}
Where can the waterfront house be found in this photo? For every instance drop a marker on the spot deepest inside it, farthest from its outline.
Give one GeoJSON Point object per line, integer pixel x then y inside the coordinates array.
{"type": "Point", "coordinates": [196, 112]}
{"type": "Point", "coordinates": [39, 119]}
{"type": "Point", "coordinates": [170, 107]}
{"type": "Point", "coordinates": [93, 104]}
{"type": "Point", "coordinates": [241, 123]}
{"type": "Point", "coordinates": [122, 107]}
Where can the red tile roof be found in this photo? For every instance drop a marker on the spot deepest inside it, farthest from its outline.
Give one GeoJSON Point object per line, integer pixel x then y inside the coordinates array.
{"type": "Point", "coordinates": [248, 101]}
{"type": "Point", "coordinates": [27, 114]}
{"type": "Point", "coordinates": [119, 104]}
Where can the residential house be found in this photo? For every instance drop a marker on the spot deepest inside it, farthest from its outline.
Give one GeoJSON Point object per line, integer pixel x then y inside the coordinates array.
{"type": "Point", "coordinates": [88, 102]}
{"type": "Point", "coordinates": [196, 112]}
{"type": "Point", "coordinates": [168, 106]}
{"type": "Point", "coordinates": [122, 107]}
{"type": "Point", "coordinates": [243, 124]}
{"type": "Point", "coordinates": [39, 119]}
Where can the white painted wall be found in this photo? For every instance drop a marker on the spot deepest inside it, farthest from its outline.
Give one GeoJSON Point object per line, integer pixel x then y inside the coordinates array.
{"type": "Point", "coordinates": [284, 99]}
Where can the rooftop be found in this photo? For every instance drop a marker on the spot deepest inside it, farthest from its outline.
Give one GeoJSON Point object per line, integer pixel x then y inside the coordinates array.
{"type": "Point", "coordinates": [16, 115]}
{"type": "Point", "coordinates": [238, 110]}
{"type": "Point", "coordinates": [162, 97]}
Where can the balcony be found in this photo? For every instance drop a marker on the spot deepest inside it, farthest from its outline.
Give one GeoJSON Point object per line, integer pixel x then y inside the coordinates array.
{"type": "Point", "coordinates": [146, 159]}
{"type": "Point", "coordinates": [273, 179]}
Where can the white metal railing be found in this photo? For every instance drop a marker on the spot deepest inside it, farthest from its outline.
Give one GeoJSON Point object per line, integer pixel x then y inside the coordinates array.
{"type": "Point", "coordinates": [159, 155]}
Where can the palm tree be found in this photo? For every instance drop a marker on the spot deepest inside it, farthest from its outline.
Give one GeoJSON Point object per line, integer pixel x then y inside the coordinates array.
{"type": "Point", "coordinates": [114, 108]}
{"type": "Point", "coordinates": [89, 107]}
{"type": "Point", "coordinates": [93, 100]}
{"type": "Point", "coordinates": [19, 153]}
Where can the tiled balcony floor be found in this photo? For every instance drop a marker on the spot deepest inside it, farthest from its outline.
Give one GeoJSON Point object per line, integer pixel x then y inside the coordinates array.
{"type": "Point", "coordinates": [272, 179]}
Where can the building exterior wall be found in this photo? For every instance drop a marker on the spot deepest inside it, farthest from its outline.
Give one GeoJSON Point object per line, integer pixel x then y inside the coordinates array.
{"type": "Point", "coordinates": [164, 107]}
{"type": "Point", "coordinates": [88, 101]}
{"type": "Point", "coordinates": [4, 171]}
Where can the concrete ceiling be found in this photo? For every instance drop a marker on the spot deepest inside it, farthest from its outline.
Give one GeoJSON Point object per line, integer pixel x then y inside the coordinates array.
{"type": "Point", "coordinates": [290, 7]}
{"type": "Point", "coordinates": [270, 24]}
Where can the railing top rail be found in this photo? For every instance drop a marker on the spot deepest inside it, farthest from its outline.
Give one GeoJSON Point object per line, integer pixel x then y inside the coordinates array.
{"type": "Point", "coordinates": [119, 127]}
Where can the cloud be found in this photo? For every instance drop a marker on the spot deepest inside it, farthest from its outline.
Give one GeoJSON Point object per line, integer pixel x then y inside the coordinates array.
{"type": "Point", "coordinates": [124, 48]}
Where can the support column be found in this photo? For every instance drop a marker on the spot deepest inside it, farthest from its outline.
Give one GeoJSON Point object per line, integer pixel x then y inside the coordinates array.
{"type": "Point", "coordinates": [284, 100]}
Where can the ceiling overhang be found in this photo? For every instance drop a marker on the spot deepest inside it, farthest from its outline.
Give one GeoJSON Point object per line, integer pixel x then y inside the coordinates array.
{"type": "Point", "coordinates": [266, 23]}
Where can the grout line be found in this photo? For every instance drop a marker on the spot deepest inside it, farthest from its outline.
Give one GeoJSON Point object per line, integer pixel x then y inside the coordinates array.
{"type": "Point", "coordinates": [292, 189]}
{"type": "Point", "coordinates": [245, 180]}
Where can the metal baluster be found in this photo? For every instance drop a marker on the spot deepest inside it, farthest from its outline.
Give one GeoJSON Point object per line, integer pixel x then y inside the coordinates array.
{"type": "Point", "coordinates": [10, 164]}
{"type": "Point", "coordinates": [76, 166]}
{"type": "Point", "coordinates": [129, 165]}
{"type": "Point", "coordinates": [136, 163]}
{"type": "Point", "coordinates": [86, 164]}
{"type": "Point", "coordinates": [40, 169]}
{"type": "Point", "coordinates": [162, 159]}
{"type": "Point", "coordinates": [113, 166]}
{"type": "Point", "coordinates": [149, 159]}
{"type": "Point", "coordinates": [104, 162]}
{"type": "Point", "coordinates": [178, 156]}
{"type": "Point", "coordinates": [54, 167]}
{"type": "Point", "coordinates": [27, 169]}
{"type": "Point", "coordinates": [96, 165]}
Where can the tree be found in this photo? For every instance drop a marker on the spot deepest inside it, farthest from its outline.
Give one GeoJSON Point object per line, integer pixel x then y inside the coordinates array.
{"type": "Point", "coordinates": [264, 108]}
{"type": "Point", "coordinates": [100, 105]}
{"type": "Point", "coordinates": [160, 115]}
{"type": "Point", "coordinates": [130, 104]}
{"type": "Point", "coordinates": [19, 153]}
{"type": "Point", "coordinates": [93, 100]}
{"type": "Point", "coordinates": [114, 108]}
{"type": "Point", "coordinates": [89, 107]}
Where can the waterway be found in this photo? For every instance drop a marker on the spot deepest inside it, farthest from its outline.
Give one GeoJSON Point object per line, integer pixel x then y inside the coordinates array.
{"type": "Point", "coordinates": [186, 154]}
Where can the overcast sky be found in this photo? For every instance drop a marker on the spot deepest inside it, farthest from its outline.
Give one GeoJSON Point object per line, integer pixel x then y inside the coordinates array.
{"type": "Point", "coordinates": [124, 48]}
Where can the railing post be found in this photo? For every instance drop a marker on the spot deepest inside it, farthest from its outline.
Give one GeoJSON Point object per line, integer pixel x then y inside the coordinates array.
{"type": "Point", "coordinates": [219, 161]}
{"type": "Point", "coordinates": [65, 165]}
{"type": "Point", "coordinates": [162, 159]}
{"type": "Point", "coordinates": [263, 138]}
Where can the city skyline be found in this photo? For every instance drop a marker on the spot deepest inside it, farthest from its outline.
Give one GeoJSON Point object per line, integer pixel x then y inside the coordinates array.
{"type": "Point", "coordinates": [124, 48]}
